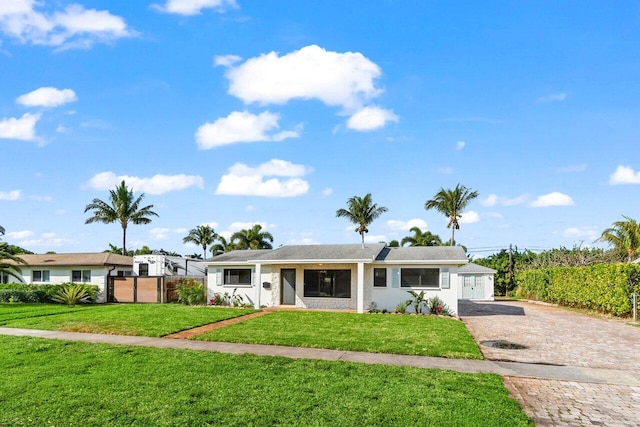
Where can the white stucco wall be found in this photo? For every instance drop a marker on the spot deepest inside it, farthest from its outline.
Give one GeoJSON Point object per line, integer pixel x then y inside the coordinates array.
{"type": "Point", "coordinates": [59, 275]}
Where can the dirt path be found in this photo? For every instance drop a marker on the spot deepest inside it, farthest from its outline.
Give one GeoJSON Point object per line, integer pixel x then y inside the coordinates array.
{"type": "Point", "coordinates": [184, 335]}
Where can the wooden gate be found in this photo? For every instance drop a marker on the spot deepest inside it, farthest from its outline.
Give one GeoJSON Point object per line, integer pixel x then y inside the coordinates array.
{"type": "Point", "coordinates": [135, 289]}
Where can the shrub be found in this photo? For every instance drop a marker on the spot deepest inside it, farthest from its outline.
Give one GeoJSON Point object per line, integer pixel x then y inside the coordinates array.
{"type": "Point", "coordinates": [437, 306]}
{"type": "Point", "coordinates": [23, 295]}
{"type": "Point", "coordinates": [229, 300]}
{"type": "Point", "coordinates": [607, 288]}
{"type": "Point", "coordinates": [401, 307]}
{"type": "Point", "coordinates": [72, 294]}
{"type": "Point", "coordinates": [22, 292]}
{"type": "Point", "coordinates": [191, 292]}
{"type": "Point", "coordinates": [417, 301]}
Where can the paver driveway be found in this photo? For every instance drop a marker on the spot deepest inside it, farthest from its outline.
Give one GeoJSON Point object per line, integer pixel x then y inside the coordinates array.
{"type": "Point", "coordinates": [562, 337]}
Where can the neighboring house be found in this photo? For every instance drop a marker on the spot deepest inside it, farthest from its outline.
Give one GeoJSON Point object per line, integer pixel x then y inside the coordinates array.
{"type": "Point", "coordinates": [167, 265]}
{"type": "Point", "coordinates": [476, 282]}
{"type": "Point", "coordinates": [345, 277]}
{"type": "Point", "coordinates": [91, 268]}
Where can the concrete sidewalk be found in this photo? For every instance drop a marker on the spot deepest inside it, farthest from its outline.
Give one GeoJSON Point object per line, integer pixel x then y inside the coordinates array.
{"type": "Point", "coordinates": [511, 369]}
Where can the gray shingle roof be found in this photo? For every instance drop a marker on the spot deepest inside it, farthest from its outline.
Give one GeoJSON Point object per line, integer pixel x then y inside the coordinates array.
{"type": "Point", "coordinates": [85, 259]}
{"type": "Point", "coordinates": [423, 253]}
{"type": "Point", "coordinates": [472, 268]}
{"type": "Point", "coordinates": [237, 256]}
{"type": "Point", "coordinates": [310, 253]}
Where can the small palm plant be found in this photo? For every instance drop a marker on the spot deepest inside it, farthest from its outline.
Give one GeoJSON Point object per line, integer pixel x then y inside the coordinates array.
{"type": "Point", "coordinates": [72, 294]}
{"type": "Point", "coordinates": [417, 300]}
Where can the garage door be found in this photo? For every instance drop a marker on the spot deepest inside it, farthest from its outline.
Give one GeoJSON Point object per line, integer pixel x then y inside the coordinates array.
{"type": "Point", "coordinates": [472, 287]}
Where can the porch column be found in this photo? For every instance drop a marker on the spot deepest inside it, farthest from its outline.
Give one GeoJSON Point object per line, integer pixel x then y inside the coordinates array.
{"type": "Point", "coordinates": [360, 287]}
{"type": "Point", "coordinates": [258, 284]}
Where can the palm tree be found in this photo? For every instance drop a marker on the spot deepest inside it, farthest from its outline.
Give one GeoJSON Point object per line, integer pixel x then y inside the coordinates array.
{"type": "Point", "coordinates": [361, 211]}
{"type": "Point", "coordinates": [421, 238]}
{"type": "Point", "coordinates": [202, 235]}
{"type": "Point", "coordinates": [452, 203]}
{"type": "Point", "coordinates": [9, 262]}
{"type": "Point", "coordinates": [624, 236]}
{"type": "Point", "coordinates": [123, 208]}
{"type": "Point", "coordinates": [222, 246]}
{"type": "Point", "coordinates": [253, 238]}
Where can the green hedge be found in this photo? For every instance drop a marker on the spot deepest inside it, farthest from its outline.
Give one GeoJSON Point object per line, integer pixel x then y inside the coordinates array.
{"type": "Point", "coordinates": [607, 288]}
{"type": "Point", "coordinates": [20, 292]}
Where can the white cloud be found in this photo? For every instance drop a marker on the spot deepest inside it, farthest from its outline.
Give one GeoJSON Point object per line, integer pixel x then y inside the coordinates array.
{"type": "Point", "coordinates": [460, 145]}
{"type": "Point", "coordinates": [73, 27]}
{"type": "Point", "coordinates": [374, 238]}
{"type": "Point", "coordinates": [396, 225]}
{"type": "Point", "coordinates": [10, 195]}
{"type": "Point", "coordinates": [23, 128]}
{"type": "Point", "coordinates": [159, 233]}
{"type": "Point", "coordinates": [61, 129]}
{"type": "Point", "coordinates": [47, 97]}
{"type": "Point", "coordinates": [585, 232]}
{"type": "Point", "coordinates": [48, 240]}
{"type": "Point", "coordinates": [157, 184]}
{"type": "Point", "coordinates": [226, 60]}
{"type": "Point", "coordinates": [303, 241]}
{"type": "Point", "coordinates": [242, 180]}
{"type": "Point", "coordinates": [552, 199]}
{"type": "Point", "coordinates": [20, 234]}
{"type": "Point", "coordinates": [445, 170]}
{"type": "Point", "coordinates": [242, 126]}
{"type": "Point", "coordinates": [193, 7]}
{"type": "Point", "coordinates": [336, 79]}
{"type": "Point", "coordinates": [495, 200]}
{"type": "Point", "coordinates": [327, 191]}
{"type": "Point", "coordinates": [371, 118]}
{"type": "Point", "coordinates": [624, 175]}
{"type": "Point", "coordinates": [180, 231]}
{"type": "Point", "coordinates": [250, 208]}
{"type": "Point", "coordinates": [238, 225]}
{"type": "Point", "coordinates": [553, 97]}
{"type": "Point", "coordinates": [62, 212]}
{"type": "Point", "coordinates": [469, 217]}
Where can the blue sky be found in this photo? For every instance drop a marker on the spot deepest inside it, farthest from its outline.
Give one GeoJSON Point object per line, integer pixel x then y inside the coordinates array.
{"type": "Point", "coordinates": [232, 113]}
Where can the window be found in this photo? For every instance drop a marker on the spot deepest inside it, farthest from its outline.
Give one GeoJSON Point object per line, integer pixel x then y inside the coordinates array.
{"type": "Point", "coordinates": [143, 269]}
{"type": "Point", "coordinates": [237, 276]}
{"type": "Point", "coordinates": [81, 276]}
{"type": "Point", "coordinates": [419, 277]}
{"type": "Point", "coordinates": [380, 277]}
{"type": "Point", "coordinates": [327, 283]}
{"type": "Point", "coordinates": [40, 276]}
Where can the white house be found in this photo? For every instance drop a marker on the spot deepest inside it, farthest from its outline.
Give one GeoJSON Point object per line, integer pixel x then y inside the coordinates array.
{"type": "Point", "coordinates": [337, 276]}
{"type": "Point", "coordinates": [91, 268]}
{"type": "Point", "coordinates": [476, 282]}
{"type": "Point", "coordinates": [159, 264]}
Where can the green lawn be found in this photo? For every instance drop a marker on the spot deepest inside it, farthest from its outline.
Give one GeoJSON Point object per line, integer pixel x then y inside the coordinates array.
{"type": "Point", "coordinates": [152, 320]}
{"type": "Point", "coordinates": [378, 333]}
{"type": "Point", "coordinates": [50, 382]}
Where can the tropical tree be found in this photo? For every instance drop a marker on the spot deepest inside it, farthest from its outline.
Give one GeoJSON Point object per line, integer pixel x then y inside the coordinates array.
{"type": "Point", "coordinates": [624, 236]}
{"type": "Point", "coordinates": [222, 246]}
{"type": "Point", "coordinates": [9, 261]}
{"type": "Point", "coordinates": [452, 203]}
{"type": "Point", "coordinates": [202, 235]}
{"type": "Point", "coordinates": [252, 238]}
{"type": "Point", "coordinates": [421, 238]}
{"type": "Point", "coordinates": [123, 207]}
{"type": "Point", "coordinates": [393, 244]}
{"type": "Point", "coordinates": [362, 212]}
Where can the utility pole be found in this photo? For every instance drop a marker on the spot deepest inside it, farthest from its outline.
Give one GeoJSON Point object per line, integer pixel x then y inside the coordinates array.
{"type": "Point", "coordinates": [510, 269]}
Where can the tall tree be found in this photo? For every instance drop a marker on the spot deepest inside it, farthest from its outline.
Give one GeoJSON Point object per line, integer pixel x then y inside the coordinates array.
{"type": "Point", "coordinates": [421, 238]}
{"type": "Point", "coordinates": [202, 235]}
{"type": "Point", "coordinates": [452, 203]}
{"type": "Point", "coordinates": [624, 236]}
{"type": "Point", "coordinates": [252, 238]}
{"type": "Point", "coordinates": [222, 246]}
{"type": "Point", "coordinates": [9, 261]}
{"type": "Point", "coordinates": [362, 212]}
{"type": "Point", "coordinates": [123, 207]}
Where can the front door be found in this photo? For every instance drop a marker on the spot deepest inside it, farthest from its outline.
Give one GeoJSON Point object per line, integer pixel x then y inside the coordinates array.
{"type": "Point", "coordinates": [472, 287]}
{"type": "Point", "coordinates": [288, 286]}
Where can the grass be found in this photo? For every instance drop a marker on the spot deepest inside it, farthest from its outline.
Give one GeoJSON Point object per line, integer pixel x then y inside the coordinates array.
{"type": "Point", "coordinates": [50, 382]}
{"type": "Point", "coordinates": [378, 333]}
{"type": "Point", "coordinates": [152, 320]}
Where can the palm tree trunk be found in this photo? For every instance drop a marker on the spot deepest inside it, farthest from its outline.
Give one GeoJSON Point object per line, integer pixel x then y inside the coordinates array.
{"type": "Point", "coordinates": [453, 236]}
{"type": "Point", "coordinates": [124, 240]}
{"type": "Point", "coordinates": [362, 235]}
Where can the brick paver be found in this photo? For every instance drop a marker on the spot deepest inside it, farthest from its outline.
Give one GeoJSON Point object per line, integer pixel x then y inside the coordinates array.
{"type": "Point", "coordinates": [562, 337]}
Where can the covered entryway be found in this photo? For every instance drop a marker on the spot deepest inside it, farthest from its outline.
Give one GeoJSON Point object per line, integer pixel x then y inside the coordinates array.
{"type": "Point", "coordinates": [288, 286]}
